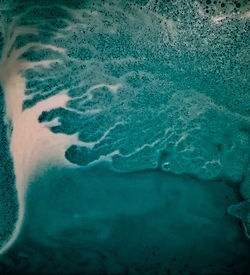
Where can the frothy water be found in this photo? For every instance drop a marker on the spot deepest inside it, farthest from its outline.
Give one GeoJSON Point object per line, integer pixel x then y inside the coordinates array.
{"type": "Point", "coordinates": [102, 94]}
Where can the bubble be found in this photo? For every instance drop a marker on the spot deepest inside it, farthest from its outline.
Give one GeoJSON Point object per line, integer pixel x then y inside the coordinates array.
{"type": "Point", "coordinates": [166, 166]}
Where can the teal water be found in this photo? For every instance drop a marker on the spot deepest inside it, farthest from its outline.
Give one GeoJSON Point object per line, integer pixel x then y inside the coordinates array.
{"type": "Point", "coordinates": [97, 222]}
{"type": "Point", "coordinates": [127, 135]}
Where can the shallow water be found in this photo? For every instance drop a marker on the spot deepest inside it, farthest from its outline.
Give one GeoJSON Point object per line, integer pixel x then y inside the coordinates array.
{"type": "Point", "coordinates": [125, 130]}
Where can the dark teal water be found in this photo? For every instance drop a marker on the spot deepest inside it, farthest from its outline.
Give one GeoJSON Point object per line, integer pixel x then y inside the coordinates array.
{"type": "Point", "coordinates": [154, 137]}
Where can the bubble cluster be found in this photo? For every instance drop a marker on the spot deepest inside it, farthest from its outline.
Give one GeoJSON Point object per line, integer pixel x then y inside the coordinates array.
{"type": "Point", "coordinates": [153, 111]}
{"type": "Point", "coordinates": [229, 7]}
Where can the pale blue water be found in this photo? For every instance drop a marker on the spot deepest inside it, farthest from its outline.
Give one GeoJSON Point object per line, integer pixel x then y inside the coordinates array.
{"type": "Point", "coordinates": [159, 103]}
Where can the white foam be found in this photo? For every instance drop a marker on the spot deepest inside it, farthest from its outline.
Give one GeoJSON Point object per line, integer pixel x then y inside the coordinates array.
{"type": "Point", "coordinates": [32, 145]}
{"type": "Point", "coordinates": [217, 19]}
{"type": "Point", "coordinates": [112, 88]}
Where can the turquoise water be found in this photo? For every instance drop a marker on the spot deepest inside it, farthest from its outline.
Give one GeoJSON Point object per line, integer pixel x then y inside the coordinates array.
{"type": "Point", "coordinates": [125, 133]}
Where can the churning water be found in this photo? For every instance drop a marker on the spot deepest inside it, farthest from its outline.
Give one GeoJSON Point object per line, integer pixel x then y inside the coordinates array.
{"type": "Point", "coordinates": [125, 137]}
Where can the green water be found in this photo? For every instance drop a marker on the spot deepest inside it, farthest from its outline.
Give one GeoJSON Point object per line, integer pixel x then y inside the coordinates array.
{"type": "Point", "coordinates": [158, 98]}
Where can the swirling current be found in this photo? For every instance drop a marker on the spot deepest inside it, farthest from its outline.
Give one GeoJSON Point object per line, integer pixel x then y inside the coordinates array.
{"type": "Point", "coordinates": [125, 137]}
